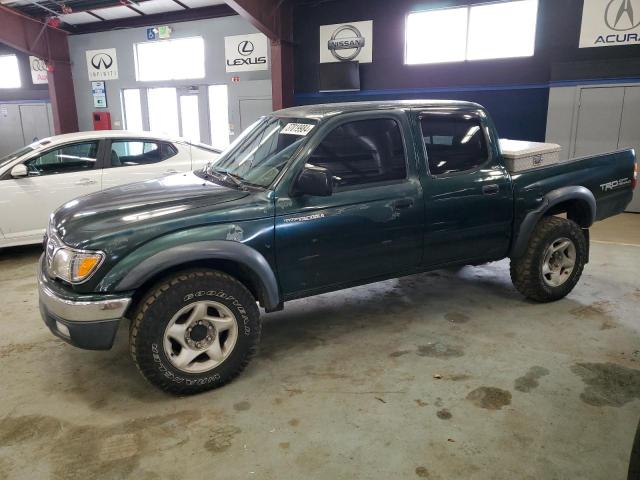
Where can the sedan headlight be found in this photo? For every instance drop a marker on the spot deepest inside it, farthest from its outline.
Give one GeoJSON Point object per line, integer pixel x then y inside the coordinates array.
{"type": "Point", "coordinates": [75, 266]}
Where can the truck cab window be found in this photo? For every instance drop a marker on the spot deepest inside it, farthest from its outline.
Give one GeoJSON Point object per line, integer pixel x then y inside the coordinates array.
{"type": "Point", "coordinates": [363, 152]}
{"type": "Point", "coordinates": [453, 144]}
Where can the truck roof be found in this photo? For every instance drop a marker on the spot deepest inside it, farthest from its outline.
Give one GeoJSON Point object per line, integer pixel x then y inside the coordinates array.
{"type": "Point", "coordinates": [324, 110]}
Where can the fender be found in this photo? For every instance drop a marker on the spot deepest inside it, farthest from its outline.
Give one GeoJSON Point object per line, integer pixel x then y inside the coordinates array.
{"type": "Point", "coordinates": [214, 249]}
{"type": "Point", "coordinates": [551, 199]}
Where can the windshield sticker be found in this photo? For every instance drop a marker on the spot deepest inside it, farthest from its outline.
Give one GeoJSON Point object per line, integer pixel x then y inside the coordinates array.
{"type": "Point", "coordinates": [297, 129]}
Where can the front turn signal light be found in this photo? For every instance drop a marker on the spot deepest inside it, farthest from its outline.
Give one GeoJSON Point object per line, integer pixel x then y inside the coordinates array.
{"type": "Point", "coordinates": [84, 266]}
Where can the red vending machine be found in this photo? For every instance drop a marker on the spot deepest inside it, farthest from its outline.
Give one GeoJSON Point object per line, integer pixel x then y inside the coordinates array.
{"type": "Point", "coordinates": [101, 121]}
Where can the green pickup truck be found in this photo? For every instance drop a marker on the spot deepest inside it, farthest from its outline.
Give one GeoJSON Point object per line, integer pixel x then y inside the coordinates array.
{"type": "Point", "coordinates": [309, 200]}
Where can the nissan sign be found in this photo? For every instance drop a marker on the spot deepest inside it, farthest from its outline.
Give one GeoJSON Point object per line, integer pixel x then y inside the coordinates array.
{"type": "Point", "coordinates": [610, 22]}
{"type": "Point", "coordinates": [245, 53]}
{"type": "Point", "coordinates": [346, 41]}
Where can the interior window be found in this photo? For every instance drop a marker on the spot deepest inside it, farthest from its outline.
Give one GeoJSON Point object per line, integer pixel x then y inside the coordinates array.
{"type": "Point", "coordinates": [362, 152]}
{"type": "Point", "coordinates": [454, 144]}
{"type": "Point", "coordinates": [69, 158]}
{"type": "Point", "coordinates": [127, 153]}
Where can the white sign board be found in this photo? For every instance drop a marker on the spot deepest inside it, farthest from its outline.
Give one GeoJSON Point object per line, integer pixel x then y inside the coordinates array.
{"type": "Point", "coordinates": [245, 53]}
{"type": "Point", "coordinates": [102, 64]}
{"type": "Point", "coordinates": [607, 23]}
{"type": "Point", "coordinates": [38, 69]}
{"type": "Point", "coordinates": [345, 42]}
{"type": "Point", "coordinates": [99, 92]}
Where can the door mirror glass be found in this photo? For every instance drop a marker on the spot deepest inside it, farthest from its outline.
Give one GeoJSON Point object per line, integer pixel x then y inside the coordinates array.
{"type": "Point", "coordinates": [19, 171]}
{"type": "Point", "coordinates": [315, 181]}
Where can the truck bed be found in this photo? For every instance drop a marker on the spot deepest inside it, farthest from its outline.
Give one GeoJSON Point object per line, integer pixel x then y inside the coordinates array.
{"type": "Point", "coordinates": [608, 176]}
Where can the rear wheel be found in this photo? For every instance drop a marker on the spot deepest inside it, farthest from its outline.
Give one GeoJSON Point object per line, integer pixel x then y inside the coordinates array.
{"type": "Point", "coordinates": [194, 331]}
{"type": "Point", "coordinates": [553, 261]}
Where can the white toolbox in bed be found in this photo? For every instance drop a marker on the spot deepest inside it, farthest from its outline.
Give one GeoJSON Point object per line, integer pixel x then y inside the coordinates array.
{"type": "Point", "coordinates": [520, 155]}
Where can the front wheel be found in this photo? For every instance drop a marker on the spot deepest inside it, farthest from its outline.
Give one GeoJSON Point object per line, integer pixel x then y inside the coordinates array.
{"type": "Point", "coordinates": [194, 331]}
{"type": "Point", "coordinates": [553, 261]}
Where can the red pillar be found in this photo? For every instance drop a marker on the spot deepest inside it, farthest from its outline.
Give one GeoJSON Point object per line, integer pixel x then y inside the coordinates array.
{"type": "Point", "coordinates": [63, 100]}
{"type": "Point", "coordinates": [34, 38]}
{"type": "Point", "coordinates": [281, 74]}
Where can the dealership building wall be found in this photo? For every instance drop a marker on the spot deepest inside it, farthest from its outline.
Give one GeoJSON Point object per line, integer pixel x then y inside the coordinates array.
{"type": "Point", "coordinates": [254, 84]}
{"type": "Point", "coordinates": [520, 93]}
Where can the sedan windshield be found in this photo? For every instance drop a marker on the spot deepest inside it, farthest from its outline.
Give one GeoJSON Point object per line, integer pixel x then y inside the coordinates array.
{"type": "Point", "coordinates": [18, 153]}
{"type": "Point", "coordinates": [260, 153]}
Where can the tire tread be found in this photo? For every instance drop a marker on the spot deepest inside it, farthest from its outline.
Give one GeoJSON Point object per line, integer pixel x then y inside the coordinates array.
{"type": "Point", "coordinates": [138, 334]}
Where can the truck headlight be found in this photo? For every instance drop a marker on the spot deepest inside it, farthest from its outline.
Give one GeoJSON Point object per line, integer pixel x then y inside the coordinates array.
{"type": "Point", "coordinates": [75, 266]}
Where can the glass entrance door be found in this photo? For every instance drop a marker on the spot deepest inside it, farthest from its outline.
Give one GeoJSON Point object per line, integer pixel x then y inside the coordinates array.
{"type": "Point", "coordinates": [163, 111]}
{"type": "Point", "coordinates": [190, 116]}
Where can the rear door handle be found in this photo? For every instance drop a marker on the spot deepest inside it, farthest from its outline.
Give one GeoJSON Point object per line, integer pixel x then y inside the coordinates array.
{"type": "Point", "coordinates": [85, 181]}
{"type": "Point", "coordinates": [492, 189]}
{"type": "Point", "coordinates": [171, 171]}
{"type": "Point", "coordinates": [404, 203]}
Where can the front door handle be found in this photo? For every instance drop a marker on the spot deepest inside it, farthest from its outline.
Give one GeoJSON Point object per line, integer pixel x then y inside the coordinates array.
{"type": "Point", "coordinates": [171, 171]}
{"type": "Point", "coordinates": [401, 204]}
{"type": "Point", "coordinates": [492, 189]}
{"type": "Point", "coordinates": [85, 181]}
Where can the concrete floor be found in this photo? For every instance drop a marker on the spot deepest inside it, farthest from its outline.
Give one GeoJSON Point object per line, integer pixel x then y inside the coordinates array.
{"type": "Point", "coordinates": [444, 375]}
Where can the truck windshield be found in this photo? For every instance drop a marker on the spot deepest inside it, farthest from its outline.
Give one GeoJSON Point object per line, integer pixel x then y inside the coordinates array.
{"type": "Point", "coordinates": [260, 153]}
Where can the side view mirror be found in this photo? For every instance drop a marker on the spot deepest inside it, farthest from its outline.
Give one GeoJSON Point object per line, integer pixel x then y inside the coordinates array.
{"type": "Point", "coordinates": [19, 171]}
{"type": "Point", "coordinates": [315, 181]}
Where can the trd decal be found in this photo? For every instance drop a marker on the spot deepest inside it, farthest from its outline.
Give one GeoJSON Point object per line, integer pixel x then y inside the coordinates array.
{"type": "Point", "coordinates": [615, 184]}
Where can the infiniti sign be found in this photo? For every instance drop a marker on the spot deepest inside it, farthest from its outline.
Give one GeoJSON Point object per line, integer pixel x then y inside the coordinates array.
{"type": "Point", "coordinates": [102, 64]}
{"type": "Point", "coordinates": [102, 61]}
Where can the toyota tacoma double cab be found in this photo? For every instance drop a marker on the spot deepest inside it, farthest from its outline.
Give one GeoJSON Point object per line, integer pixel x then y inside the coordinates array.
{"type": "Point", "coordinates": [309, 200]}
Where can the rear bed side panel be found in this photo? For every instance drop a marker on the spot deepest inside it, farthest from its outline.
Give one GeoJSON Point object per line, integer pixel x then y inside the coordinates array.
{"type": "Point", "coordinates": [608, 178]}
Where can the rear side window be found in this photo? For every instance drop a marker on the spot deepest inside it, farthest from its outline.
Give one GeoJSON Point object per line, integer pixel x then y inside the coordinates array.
{"type": "Point", "coordinates": [363, 152]}
{"type": "Point", "coordinates": [127, 153]}
{"type": "Point", "coordinates": [74, 157]}
{"type": "Point", "coordinates": [453, 144]}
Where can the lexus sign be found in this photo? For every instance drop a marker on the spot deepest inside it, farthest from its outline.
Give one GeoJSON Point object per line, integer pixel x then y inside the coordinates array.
{"type": "Point", "coordinates": [244, 53]}
{"type": "Point", "coordinates": [607, 23]}
{"type": "Point", "coordinates": [102, 64]}
{"type": "Point", "coordinates": [344, 42]}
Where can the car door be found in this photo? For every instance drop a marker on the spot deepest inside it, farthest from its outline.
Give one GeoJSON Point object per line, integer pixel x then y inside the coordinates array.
{"type": "Point", "coordinates": [468, 193]}
{"type": "Point", "coordinates": [135, 159]}
{"type": "Point", "coordinates": [370, 226]}
{"type": "Point", "coordinates": [55, 176]}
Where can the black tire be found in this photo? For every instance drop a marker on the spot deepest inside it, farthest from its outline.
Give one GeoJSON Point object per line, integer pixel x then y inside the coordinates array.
{"type": "Point", "coordinates": [526, 271]}
{"type": "Point", "coordinates": [159, 305]}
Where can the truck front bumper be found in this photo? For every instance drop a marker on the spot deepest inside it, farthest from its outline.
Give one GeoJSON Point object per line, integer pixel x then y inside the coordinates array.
{"type": "Point", "coordinates": [85, 321]}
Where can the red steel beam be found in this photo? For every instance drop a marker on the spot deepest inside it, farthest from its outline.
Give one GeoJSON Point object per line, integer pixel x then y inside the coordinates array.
{"type": "Point", "coordinates": [274, 18]}
{"type": "Point", "coordinates": [38, 39]}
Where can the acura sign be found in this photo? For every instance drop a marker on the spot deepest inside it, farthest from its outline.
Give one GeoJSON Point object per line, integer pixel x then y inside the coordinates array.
{"type": "Point", "coordinates": [245, 53]}
{"type": "Point", "coordinates": [346, 41]}
{"type": "Point", "coordinates": [610, 22]}
{"type": "Point", "coordinates": [102, 64]}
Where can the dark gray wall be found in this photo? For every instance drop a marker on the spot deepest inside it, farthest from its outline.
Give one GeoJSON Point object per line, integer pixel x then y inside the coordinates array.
{"type": "Point", "coordinates": [515, 91]}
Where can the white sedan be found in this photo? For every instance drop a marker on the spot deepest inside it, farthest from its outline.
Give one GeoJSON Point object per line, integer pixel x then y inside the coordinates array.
{"type": "Point", "coordinates": [40, 177]}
